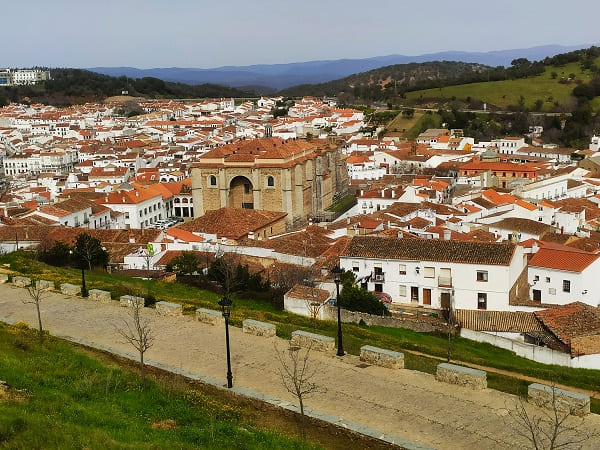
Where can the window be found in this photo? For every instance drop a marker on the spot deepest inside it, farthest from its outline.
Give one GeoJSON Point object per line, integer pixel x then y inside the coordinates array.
{"type": "Point", "coordinates": [355, 266]}
{"type": "Point", "coordinates": [270, 181]}
{"type": "Point", "coordinates": [536, 278]}
{"type": "Point", "coordinates": [212, 180]}
{"type": "Point", "coordinates": [402, 269]}
{"type": "Point", "coordinates": [547, 279]}
{"type": "Point", "coordinates": [429, 272]}
{"type": "Point", "coordinates": [481, 300]}
{"type": "Point", "coordinates": [482, 275]}
{"type": "Point", "coordinates": [566, 286]}
{"type": "Point", "coordinates": [402, 291]}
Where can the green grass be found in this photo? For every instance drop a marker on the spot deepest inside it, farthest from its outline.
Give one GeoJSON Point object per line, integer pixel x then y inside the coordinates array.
{"type": "Point", "coordinates": [425, 121]}
{"type": "Point", "coordinates": [343, 204]}
{"type": "Point", "coordinates": [355, 336]}
{"type": "Point", "coordinates": [402, 124]}
{"type": "Point", "coordinates": [60, 397]}
{"type": "Point", "coordinates": [507, 93]}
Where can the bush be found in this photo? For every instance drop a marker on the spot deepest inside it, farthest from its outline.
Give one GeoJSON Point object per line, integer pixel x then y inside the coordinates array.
{"type": "Point", "coordinates": [355, 298]}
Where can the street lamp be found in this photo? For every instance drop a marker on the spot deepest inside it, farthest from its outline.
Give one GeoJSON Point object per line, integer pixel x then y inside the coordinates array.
{"type": "Point", "coordinates": [337, 272]}
{"type": "Point", "coordinates": [84, 292]}
{"type": "Point", "coordinates": [225, 304]}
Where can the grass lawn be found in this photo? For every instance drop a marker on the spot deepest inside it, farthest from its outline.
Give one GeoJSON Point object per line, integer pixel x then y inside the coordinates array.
{"type": "Point", "coordinates": [355, 336]}
{"type": "Point", "coordinates": [424, 122]}
{"type": "Point", "coordinates": [402, 124]}
{"type": "Point", "coordinates": [343, 204]}
{"type": "Point", "coordinates": [59, 397]}
{"type": "Point", "coordinates": [506, 93]}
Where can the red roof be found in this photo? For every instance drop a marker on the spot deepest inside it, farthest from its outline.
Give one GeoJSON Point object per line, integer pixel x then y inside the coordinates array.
{"type": "Point", "coordinates": [572, 260]}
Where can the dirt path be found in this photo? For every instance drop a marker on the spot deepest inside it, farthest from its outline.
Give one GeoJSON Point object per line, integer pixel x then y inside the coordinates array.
{"type": "Point", "coordinates": [404, 403]}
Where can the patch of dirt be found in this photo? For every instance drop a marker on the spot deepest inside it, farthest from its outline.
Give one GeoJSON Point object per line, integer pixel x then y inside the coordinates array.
{"type": "Point", "coordinates": [167, 424]}
{"type": "Point", "coordinates": [10, 394]}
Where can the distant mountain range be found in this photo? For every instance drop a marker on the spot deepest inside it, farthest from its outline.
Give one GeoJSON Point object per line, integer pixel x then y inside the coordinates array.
{"type": "Point", "coordinates": [267, 78]}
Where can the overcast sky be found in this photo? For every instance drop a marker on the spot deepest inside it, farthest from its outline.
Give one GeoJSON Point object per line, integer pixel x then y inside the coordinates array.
{"type": "Point", "coordinates": [199, 33]}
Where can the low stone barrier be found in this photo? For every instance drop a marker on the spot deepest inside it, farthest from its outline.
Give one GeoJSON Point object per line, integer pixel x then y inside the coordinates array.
{"type": "Point", "coordinates": [45, 285]}
{"type": "Point", "coordinates": [463, 376]}
{"type": "Point", "coordinates": [382, 357]}
{"type": "Point", "coordinates": [210, 316]}
{"type": "Point", "coordinates": [169, 309]}
{"type": "Point", "coordinates": [257, 328]}
{"type": "Point", "coordinates": [315, 341]}
{"type": "Point", "coordinates": [563, 400]}
{"type": "Point", "coordinates": [21, 281]}
{"type": "Point", "coordinates": [70, 289]}
{"type": "Point", "coordinates": [98, 295]}
{"type": "Point", "coordinates": [3, 278]}
{"type": "Point", "coordinates": [130, 300]}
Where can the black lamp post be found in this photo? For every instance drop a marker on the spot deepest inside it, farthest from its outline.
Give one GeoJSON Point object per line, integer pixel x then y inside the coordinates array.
{"type": "Point", "coordinates": [225, 304]}
{"type": "Point", "coordinates": [337, 272]}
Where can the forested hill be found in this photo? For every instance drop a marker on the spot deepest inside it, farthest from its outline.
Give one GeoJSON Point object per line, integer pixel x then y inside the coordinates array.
{"type": "Point", "coordinates": [73, 86]}
{"type": "Point", "coordinates": [391, 82]}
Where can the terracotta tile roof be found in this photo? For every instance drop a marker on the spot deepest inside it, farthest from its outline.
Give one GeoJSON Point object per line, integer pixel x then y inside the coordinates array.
{"type": "Point", "coordinates": [570, 322]}
{"type": "Point", "coordinates": [563, 258]}
{"type": "Point", "coordinates": [308, 293]}
{"type": "Point", "coordinates": [500, 321]}
{"type": "Point", "coordinates": [468, 252]}
{"type": "Point", "coordinates": [233, 223]}
{"type": "Point", "coordinates": [524, 225]}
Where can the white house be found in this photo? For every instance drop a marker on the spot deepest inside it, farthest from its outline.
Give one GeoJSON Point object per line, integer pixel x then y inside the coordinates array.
{"type": "Point", "coordinates": [140, 207]}
{"type": "Point", "coordinates": [437, 274]}
{"type": "Point", "coordinates": [558, 275]}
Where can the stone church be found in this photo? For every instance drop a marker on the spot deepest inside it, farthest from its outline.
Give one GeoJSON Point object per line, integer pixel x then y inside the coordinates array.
{"type": "Point", "coordinates": [294, 176]}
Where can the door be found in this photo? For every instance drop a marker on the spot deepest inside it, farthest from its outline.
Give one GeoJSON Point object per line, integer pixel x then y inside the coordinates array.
{"type": "Point", "coordinates": [414, 294]}
{"type": "Point", "coordinates": [427, 296]}
{"type": "Point", "coordinates": [537, 295]}
{"type": "Point", "coordinates": [445, 300]}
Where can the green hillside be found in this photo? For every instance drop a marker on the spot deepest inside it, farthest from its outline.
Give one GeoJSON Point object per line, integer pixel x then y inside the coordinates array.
{"type": "Point", "coordinates": [556, 93]}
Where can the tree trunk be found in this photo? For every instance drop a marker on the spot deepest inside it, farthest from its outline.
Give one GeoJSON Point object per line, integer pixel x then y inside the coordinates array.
{"type": "Point", "coordinates": [37, 306]}
{"type": "Point", "coordinates": [143, 369]}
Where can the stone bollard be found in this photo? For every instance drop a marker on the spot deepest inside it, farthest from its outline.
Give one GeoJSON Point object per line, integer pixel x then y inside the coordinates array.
{"type": "Point", "coordinates": [21, 281]}
{"type": "Point", "coordinates": [169, 309]}
{"type": "Point", "coordinates": [257, 328]}
{"type": "Point", "coordinates": [382, 357]}
{"type": "Point", "coordinates": [315, 341]}
{"type": "Point", "coordinates": [463, 376]}
{"type": "Point", "coordinates": [564, 401]}
{"type": "Point", "coordinates": [45, 285]}
{"type": "Point", "coordinates": [130, 300]}
{"type": "Point", "coordinates": [210, 316]}
{"type": "Point", "coordinates": [99, 296]}
{"type": "Point", "coordinates": [70, 289]}
{"type": "Point", "coordinates": [3, 278]}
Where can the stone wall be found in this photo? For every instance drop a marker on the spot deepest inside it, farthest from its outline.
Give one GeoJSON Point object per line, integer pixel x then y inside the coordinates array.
{"type": "Point", "coordinates": [330, 313]}
{"type": "Point", "coordinates": [99, 296]}
{"type": "Point", "coordinates": [169, 309]}
{"type": "Point", "coordinates": [70, 289]}
{"type": "Point", "coordinates": [554, 398]}
{"type": "Point", "coordinates": [315, 341]}
{"type": "Point", "coordinates": [210, 316]}
{"type": "Point", "coordinates": [382, 357]}
{"type": "Point", "coordinates": [257, 328]}
{"type": "Point", "coordinates": [463, 376]}
{"type": "Point", "coordinates": [21, 281]}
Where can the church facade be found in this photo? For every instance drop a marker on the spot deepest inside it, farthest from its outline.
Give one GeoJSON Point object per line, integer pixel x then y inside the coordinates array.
{"type": "Point", "coordinates": [298, 177]}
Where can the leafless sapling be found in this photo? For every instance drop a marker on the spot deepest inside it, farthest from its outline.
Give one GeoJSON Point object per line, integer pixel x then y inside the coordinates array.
{"type": "Point", "coordinates": [298, 375]}
{"type": "Point", "coordinates": [552, 428]}
{"type": "Point", "coordinates": [36, 295]}
{"type": "Point", "coordinates": [137, 331]}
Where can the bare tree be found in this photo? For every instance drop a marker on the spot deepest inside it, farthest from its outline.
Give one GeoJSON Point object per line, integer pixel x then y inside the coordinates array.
{"type": "Point", "coordinates": [553, 428]}
{"type": "Point", "coordinates": [297, 375]}
{"type": "Point", "coordinates": [36, 295]}
{"type": "Point", "coordinates": [138, 332]}
{"type": "Point", "coordinates": [225, 270]}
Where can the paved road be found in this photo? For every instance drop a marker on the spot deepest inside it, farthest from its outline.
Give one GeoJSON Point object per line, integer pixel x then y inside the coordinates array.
{"type": "Point", "coordinates": [404, 403]}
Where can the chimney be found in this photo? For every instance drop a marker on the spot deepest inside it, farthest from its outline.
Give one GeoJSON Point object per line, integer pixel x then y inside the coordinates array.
{"type": "Point", "coordinates": [447, 234]}
{"type": "Point", "coordinates": [123, 199]}
{"type": "Point", "coordinates": [362, 192]}
{"type": "Point", "coordinates": [251, 235]}
{"type": "Point", "coordinates": [400, 235]}
{"type": "Point", "coordinates": [535, 247]}
{"type": "Point", "coordinates": [393, 193]}
{"type": "Point", "coordinates": [137, 193]}
{"type": "Point", "coordinates": [382, 193]}
{"type": "Point", "coordinates": [106, 199]}
{"type": "Point", "coordinates": [348, 220]}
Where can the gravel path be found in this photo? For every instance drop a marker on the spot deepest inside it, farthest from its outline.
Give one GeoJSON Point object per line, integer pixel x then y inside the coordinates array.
{"type": "Point", "coordinates": [405, 403]}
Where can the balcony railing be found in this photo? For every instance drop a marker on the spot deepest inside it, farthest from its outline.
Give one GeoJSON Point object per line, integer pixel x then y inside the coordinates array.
{"type": "Point", "coordinates": [377, 277]}
{"type": "Point", "coordinates": [445, 281]}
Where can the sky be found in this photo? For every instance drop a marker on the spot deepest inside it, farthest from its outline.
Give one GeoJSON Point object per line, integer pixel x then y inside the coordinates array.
{"type": "Point", "coordinates": [201, 33]}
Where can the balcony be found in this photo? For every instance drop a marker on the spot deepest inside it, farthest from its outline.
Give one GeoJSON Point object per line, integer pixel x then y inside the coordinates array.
{"type": "Point", "coordinates": [445, 282]}
{"type": "Point", "coordinates": [377, 277]}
